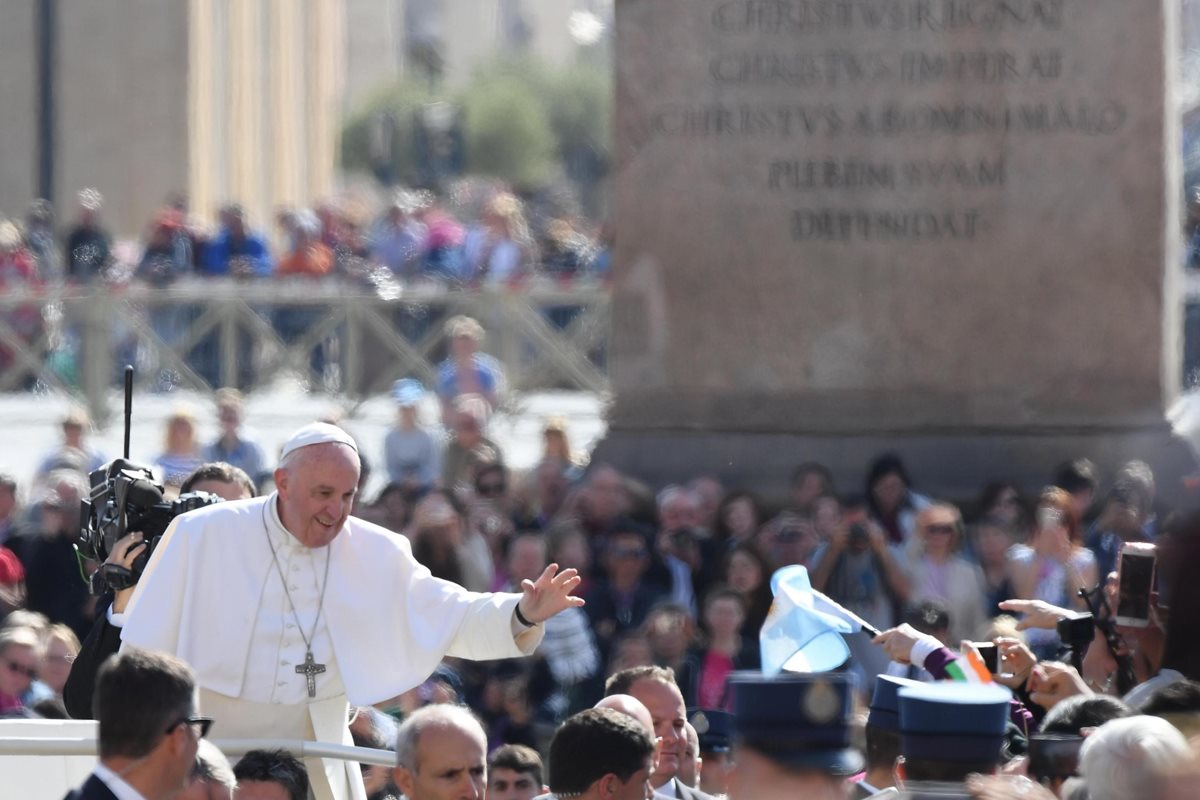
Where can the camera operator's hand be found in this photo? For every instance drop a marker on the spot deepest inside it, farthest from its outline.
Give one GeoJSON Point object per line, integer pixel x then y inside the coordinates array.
{"type": "Point", "coordinates": [1016, 662]}
{"type": "Point", "coordinates": [1052, 682]}
{"type": "Point", "coordinates": [1037, 613]}
{"type": "Point", "coordinates": [123, 554]}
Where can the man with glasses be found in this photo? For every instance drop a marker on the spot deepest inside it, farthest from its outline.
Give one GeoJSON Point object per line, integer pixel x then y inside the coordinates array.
{"type": "Point", "coordinates": [149, 730]}
{"type": "Point", "coordinates": [619, 603]}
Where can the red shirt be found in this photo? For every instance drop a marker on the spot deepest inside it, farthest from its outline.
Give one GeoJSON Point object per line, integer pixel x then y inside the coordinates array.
{"type": "Point", "coordinates": [711, 690]}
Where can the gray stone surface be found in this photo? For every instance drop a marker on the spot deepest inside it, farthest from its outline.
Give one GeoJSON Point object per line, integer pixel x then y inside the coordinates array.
{"type": "Point", "coordinates": [895, 218]}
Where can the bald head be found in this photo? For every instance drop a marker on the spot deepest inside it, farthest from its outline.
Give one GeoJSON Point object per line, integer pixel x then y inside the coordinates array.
{"type": "Point", "coordinates": [631, 707]}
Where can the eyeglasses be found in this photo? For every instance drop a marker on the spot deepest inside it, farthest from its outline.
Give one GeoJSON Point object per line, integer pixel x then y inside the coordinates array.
{"type": "Point", "coordinates": [21, 669]}
{"type": "Point", "coordinates": [204, 724]}
{"type": "Point", "coordinates": [944, 530]}
{"type": "Point", "coordinates": [489, 489]}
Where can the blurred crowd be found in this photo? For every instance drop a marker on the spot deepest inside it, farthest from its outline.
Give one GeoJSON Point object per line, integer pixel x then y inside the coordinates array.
{"type": "Point", "coordinates": [676, 576]}
{"type": "Point", "coordinates": [478, 234]}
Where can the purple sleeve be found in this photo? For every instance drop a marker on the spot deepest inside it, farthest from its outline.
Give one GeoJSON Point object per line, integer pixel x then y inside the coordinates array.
{"type": "Point", "coordinates": [935, 664]}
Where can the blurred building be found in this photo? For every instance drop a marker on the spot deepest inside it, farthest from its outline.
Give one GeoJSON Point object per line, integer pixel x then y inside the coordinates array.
{"type": "Point", "coordinates": [221, 99]}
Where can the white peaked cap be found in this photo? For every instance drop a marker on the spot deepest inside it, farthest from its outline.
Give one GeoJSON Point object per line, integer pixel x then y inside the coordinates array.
{"type": "Point", "coordinates": [317, 433]}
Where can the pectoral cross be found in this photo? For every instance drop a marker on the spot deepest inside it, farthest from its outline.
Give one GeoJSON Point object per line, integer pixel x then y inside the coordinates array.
{"type": "Point", "coordinates": [310, 669]}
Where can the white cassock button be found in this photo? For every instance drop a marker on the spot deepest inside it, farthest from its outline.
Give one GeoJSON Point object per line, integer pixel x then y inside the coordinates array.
{"type": "Point", "coordinates": [293, 587]}
{"type": "Point", "coordinates": [291, 625]}
{"type": "Point", "coordinates": [283, 663]}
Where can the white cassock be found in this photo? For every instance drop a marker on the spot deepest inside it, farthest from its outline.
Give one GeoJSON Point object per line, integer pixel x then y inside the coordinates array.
{"type": "Point", "coordinates": [211, 594]}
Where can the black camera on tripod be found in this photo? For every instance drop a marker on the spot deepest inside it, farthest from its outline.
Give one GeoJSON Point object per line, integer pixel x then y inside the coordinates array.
{"type": "Point", "coordinates": [125, 497]}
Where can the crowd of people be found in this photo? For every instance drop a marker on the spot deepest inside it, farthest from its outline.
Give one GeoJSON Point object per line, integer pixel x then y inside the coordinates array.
{"type": "Point", "coordinates": [477, 234]}
{"type": "Point", "coordinates": [677, 583]}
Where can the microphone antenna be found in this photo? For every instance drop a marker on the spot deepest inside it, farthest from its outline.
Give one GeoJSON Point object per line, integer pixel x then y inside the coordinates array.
{"type": "Point", "coordinates": [128, 406]}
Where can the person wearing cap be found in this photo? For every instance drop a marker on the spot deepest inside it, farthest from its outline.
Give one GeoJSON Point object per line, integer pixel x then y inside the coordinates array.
{"type": "Point", "coordinates": [792, 736]}
{"type": "Point", "coordinates": [411, 454]}
{"type": "Point", "coordinates": [949, 731]}
{"type": "Point", "coordinates": [714, 730]}
{"type": "Point", "coordinates": [288, 607]}
{"type": "Point", "coordinates": [883, 739]}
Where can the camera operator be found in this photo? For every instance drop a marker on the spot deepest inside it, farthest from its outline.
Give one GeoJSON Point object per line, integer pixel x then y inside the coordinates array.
{"type": "Point", "coordinates": [225, 481]}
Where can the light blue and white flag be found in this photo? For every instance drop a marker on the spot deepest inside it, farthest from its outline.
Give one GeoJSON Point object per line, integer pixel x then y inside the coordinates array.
{"type": "Point", "coordinates": [803, 631]}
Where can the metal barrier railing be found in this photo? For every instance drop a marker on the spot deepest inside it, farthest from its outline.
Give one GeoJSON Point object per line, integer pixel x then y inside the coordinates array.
{"type": "Point", "coordinates": [350, 339]}
{"type": "Point", "coordinates": [87, 746]}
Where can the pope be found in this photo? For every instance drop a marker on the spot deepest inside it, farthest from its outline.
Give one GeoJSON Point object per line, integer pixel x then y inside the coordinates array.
{"type": "Point", "coordinates": [289, 609]}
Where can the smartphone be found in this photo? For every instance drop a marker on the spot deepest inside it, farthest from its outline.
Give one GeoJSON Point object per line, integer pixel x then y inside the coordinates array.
{"type": "Point", "coordinates": [990, 655]}
{"type": "Point", "coordinates": [1135, 574]}
{"type": "Point", "coordinates": [1053, 755]}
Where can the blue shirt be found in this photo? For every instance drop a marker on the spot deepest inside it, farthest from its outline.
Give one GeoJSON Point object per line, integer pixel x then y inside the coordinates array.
{"type": "Point", "coordinates": [223, 249]}
{"type": "Point", "coordinates": [488, 373]}
{"type": "Point", "coordinates": [246, 455]}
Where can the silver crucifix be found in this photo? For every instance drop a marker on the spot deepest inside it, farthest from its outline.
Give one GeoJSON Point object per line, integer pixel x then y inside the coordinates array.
{"type": "Point", "coordinates": [310, 669]}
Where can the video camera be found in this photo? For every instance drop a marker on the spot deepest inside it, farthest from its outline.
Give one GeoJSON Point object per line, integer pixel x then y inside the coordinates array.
{"type": "Point", "coordinates": [125, 497]}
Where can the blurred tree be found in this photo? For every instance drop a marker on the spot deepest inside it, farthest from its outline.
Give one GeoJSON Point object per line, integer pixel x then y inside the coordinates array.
{"type": "Point", "coordinates": [380, 137]}
{"type": "Point", "coordinates": [521, 121]}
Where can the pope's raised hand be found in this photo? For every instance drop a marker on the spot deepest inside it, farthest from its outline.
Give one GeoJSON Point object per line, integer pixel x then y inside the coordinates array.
{"type": "Point", "coordinates": [549, 594]}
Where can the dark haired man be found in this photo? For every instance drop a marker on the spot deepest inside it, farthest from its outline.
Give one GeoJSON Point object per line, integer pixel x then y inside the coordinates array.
{"type": "Point", "coordinates": [656, 689]}
{"type": "Point", "coordinates": [514, 773]}
{"type": "Point", "coordinates": [149, 730]}
{"type": "Point", "coordinates": [601, 754]}
{"type": "Point", "coordinates": [271, 775]}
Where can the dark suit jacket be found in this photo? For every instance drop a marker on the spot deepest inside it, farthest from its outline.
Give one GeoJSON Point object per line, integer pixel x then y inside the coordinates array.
{"type": "Point", "coordinates": [103, 641]}
{"type": "Point", "coordinates": [688, 793]}
{"type": "Point", "coordinates": [92, 789]}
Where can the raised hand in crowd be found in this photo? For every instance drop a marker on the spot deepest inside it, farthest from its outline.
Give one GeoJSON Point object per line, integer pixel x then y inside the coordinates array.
{"type": "Point", "coordinates": [1051, 682]}
{"type": "Point", "coordinates": [1035, 613]}
{"type": "Point", "coordinates": [1016, 661]}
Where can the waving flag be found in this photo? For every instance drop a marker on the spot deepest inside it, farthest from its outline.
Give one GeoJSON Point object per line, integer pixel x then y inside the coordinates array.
{"type": "Point", "coordinates": [803, 631]}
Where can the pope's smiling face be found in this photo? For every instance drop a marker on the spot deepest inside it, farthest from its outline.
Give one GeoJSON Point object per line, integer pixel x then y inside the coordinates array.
{"type": "Point", "coordinates": [316, 487]}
